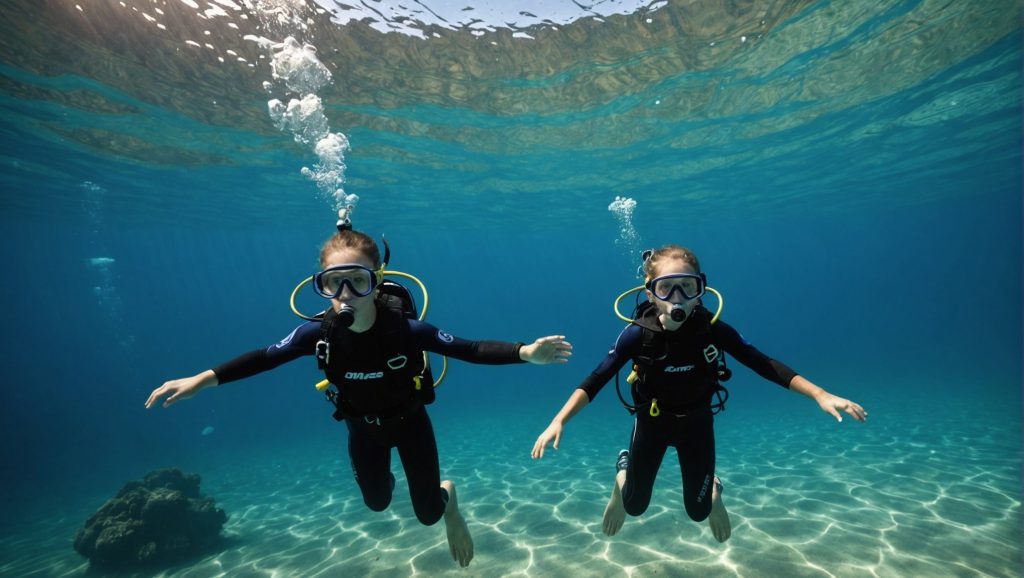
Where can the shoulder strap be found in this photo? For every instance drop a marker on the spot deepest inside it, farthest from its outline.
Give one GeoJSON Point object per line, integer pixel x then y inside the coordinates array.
{"type": "Point", "coordinates": [645, 316]}
{"type": "Point", "coordinates": [326, 321]}
{"type": "Point", "coordinates": [646, 319]}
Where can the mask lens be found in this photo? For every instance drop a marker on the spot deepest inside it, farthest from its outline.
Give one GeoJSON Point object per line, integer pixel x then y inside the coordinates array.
{"type": "Point", "coordinates": [688, 286]}
{"type": "Point", "coordinates": [331, 282]}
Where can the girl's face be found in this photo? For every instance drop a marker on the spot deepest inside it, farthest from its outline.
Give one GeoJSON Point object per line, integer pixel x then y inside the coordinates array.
{"type": "Point", "coordinates": [664, 308]}
{"type": "Point", "coordinates": [366, 313]}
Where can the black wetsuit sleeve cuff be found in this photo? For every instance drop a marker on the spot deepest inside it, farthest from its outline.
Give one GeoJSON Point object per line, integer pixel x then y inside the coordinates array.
{"type": "Point", "coordinates": [243, 366]}
{"type": "Point", "coordinates": [783, 374]}
{"type": "Point", "coordinates": [590, 386]}
{"type": "Point", "coordinates": [497, 352]}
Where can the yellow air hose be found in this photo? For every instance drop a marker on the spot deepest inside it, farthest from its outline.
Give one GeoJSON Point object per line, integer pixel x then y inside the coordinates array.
{"type": "Point", "coordinates": [615, 306]}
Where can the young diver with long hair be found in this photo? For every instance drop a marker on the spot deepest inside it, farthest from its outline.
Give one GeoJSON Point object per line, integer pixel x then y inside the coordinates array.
{"type": "Point", "coordinates": [374, 356]}
{"type": "Point", "coordinates": [676, 346]}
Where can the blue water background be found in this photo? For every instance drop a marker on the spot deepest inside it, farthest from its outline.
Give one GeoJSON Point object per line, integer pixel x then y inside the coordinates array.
{"type": "Point", "coordinates": [904, 295]}
{"type": "Point", "coordinates": [917, 302]}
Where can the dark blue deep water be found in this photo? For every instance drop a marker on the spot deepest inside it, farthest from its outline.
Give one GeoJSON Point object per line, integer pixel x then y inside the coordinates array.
{"type": "Point", "coordinates": [849, 175]}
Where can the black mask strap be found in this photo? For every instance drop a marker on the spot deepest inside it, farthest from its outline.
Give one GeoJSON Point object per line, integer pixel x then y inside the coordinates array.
{"type": "Point", "coordinates": [387, 253]}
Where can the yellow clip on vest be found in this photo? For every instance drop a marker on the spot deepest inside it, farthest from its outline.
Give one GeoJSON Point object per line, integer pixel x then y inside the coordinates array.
{"type": "Point", "coordinates": [655, 410]}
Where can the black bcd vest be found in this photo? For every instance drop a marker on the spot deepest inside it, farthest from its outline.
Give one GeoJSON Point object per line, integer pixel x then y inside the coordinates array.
{"type": "Point", "coordinates": [379, 372]}
{"type": "Point", "coordinates": [693, 352]}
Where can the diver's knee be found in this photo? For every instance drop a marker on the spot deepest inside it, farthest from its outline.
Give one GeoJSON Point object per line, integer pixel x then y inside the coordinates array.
{"type": "Point", "coordinates": [374, 496]}
{"type": "Point", "coordinates": [698, 512]}
{"type": "Point", "coordinates": [429, 506]}
{"type": "Point", "coordinates": [377, 503]}
{"type": "Point", "coordinates": [635, 503]}
{"type": "Point", "coordinates": [635, 508]}
{"type": "Point", "coordinates": [429, 518]}
{"type": "Point", "coordinates": [428, 515]}
{"type": "Point", "coordinates": [377, 500]}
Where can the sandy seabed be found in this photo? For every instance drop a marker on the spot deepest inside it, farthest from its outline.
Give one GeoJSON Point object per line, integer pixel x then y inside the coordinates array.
{"type": "Point", "coordinates": [805, 499]}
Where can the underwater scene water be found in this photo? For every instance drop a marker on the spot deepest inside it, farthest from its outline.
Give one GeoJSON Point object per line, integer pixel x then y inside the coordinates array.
{"type": "Point", "coordinates": [849, 174]}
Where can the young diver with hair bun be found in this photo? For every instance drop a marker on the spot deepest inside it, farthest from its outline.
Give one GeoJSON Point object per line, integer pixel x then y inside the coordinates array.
{"type": "Point", "coordinates": [374, 356]}
{"type": "Point", "coordinates": [676, 346]}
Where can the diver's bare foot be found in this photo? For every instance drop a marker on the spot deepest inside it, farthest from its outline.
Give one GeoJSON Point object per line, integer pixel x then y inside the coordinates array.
{"type": "Point", "coordinates": [460, 543]}
{"type": "Point", "coordinates": [721, 527]}
{"type": "Point", "coordinates": [615, 511]}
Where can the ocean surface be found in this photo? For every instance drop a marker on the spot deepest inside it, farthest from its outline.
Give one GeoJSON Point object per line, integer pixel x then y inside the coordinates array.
{"type": "Point", "coordinates": [849, 174]}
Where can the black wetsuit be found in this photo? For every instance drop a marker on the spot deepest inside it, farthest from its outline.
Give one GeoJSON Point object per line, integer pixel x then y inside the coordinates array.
{"type": "Point", "coordinates": [382, 412]}
{"type": "Point", "coordinates": [679, 370]}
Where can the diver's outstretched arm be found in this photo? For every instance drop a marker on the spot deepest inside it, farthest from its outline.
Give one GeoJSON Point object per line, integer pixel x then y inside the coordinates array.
{"type": "Point", "coordinates": [830, 404]}
{"type": "Point", "coordinates": [184, 388]}
{"type": "Point", "coordinates": [577, 401]}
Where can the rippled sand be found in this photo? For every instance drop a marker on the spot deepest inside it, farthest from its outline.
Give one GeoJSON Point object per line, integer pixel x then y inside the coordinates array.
{"type": "Point", "coordinates": [807, 498]}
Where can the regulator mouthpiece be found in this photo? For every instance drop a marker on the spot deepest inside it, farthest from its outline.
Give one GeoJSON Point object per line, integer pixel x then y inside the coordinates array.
{"type": "Point", "coordinates": [678, 313]}
{"type": "Point", "coordinates": [346, 316]}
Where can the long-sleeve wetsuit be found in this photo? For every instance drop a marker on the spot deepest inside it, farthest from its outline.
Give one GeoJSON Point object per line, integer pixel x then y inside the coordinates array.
{"type": "Point", "coordinates": [678, 369]}
{"type": "Point", "coordinates": [386, 413]}
{"type": "Point", "coordinates": [302, 341]}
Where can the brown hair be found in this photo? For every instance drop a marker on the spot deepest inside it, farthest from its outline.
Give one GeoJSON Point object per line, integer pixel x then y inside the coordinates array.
{"type": "Point", "coordinates": [668, 252]}
{"type": "Point", "coordinates": [351, 240]}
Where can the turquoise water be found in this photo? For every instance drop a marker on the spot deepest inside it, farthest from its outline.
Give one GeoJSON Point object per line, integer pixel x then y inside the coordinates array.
{"type": "Point", "coordinates": [850, 176]}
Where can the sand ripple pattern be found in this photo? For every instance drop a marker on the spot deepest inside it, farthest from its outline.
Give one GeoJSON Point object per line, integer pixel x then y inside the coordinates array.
{"type": "Point", "coordinates": [911, 497]}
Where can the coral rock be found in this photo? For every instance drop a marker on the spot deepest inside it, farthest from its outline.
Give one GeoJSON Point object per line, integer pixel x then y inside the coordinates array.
{"type": "Point", "coordinates": [160, 520]}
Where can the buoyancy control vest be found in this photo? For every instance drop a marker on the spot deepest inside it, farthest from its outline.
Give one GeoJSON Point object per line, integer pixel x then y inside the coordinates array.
{"type": "Point", "coordinates": [678, 372]}
{"type": "Point", "coordinates": [379, 372]}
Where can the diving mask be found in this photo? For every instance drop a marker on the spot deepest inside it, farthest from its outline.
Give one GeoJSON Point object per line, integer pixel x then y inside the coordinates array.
{"type": "Point", "coordinates": [331, 282]}
{"type": "Point", "coordinates": [687, 285]}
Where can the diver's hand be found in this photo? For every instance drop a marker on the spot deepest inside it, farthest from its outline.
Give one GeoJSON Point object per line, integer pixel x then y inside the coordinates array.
{"type": "Point", "coordinates": [833, 404]}
{"type": "Point", "coordinates": [179, 389]}
{"type": "Point", "coordinates": [554, 432]}
{"type": "Point", "coordinates": [551, 349]}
